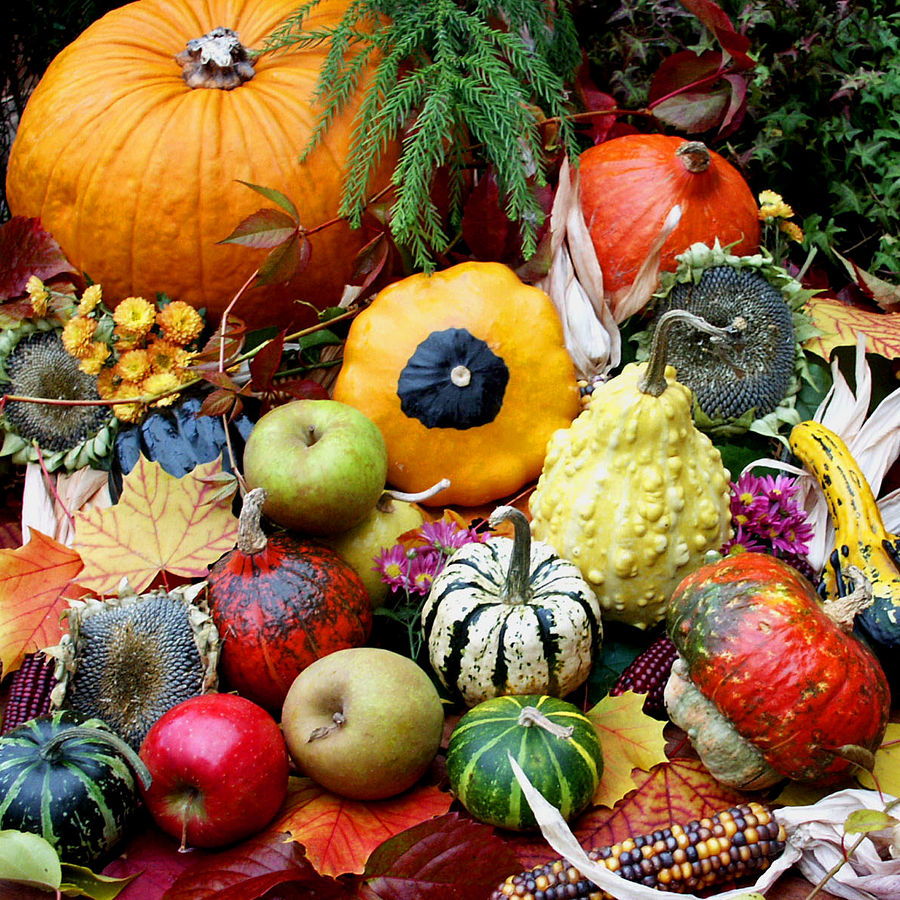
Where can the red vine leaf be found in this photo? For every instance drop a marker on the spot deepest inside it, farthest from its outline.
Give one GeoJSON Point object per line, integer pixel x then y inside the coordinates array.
{"type": "Point", "coordinates": [885, 294]}
{"type": "Point", "coordinates": [286, 260]}
{"type": "Point", "coordinates": [716, 20]}
{"type": "Point", "coordinates": [447, 858]}
{"type": "Point", "coordinates": [32, 581]}
{"type": "Point", "coordinates": [26, 250]}
{"type": "Point", "coordinates": [339, 834]}
{"type": "Point", "coordinates": [263, 229]}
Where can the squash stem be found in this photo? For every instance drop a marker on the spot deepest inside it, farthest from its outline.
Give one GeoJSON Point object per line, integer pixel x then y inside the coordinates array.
{"type": "Point", "coordinates": [50, 750]}
{"type": "Point", "coordinates": [531, 715]}
{"type": "Point", "coordinates": [251, 538]}
{"type": "Point", "coordinates": [517, 588]}
{"type": "Point", "coordinates": [654, 380]}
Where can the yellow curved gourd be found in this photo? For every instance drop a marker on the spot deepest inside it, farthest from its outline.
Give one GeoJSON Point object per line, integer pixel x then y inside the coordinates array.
{"type": "Point", "coordinates": [632, 492]}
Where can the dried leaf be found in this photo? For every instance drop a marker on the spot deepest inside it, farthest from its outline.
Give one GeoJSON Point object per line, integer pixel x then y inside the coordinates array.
{"type": "Point", "coordinates": [840, 323]}
{"type": "Point", "coordinates": [32, 581]}
{"type": "Point", "coordinates": [630, 740]}
{"type": "Point", "coordinates": [447, 858]}
{"type": "Point", "coordinates": [339, 834]}
{"type": "Point", "coordinates": [885, 294]}
{"type": "Point", "coordinates": [161, 523]}
{"type": "Point", "coordinates": [886, 774]}
{"type": "Point", "coordinates": [26, 250]}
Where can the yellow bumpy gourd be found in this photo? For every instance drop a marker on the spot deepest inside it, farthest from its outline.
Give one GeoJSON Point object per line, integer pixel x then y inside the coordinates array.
{"type": "Point", "coordinates": [632, 492]}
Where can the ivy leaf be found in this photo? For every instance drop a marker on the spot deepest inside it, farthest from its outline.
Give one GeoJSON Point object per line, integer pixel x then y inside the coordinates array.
{"type": "Point", "coordinates": [840, 323]}
{"type": "Point", "coordinates": [447, 858]}
{"type": "Point", "coordinates": [630, 741]}
{"type": "Point", "coordinates": [161, 523]}
{"type": "Point", "coordinates": [26, 250]}
{"type": "Point", "coordinates": [340, 834]}
{"type": "Point", "coordinates": [32, 581]}
{"type": "Point", "coordinates": [885, 776]}
{"type": "Point", "coordinates": [265, 228]}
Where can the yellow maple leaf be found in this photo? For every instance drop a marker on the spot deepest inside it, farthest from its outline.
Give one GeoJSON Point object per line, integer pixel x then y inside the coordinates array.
{"type": "Point", "coordinates": [840, 323]}
{"type": "Point", "coordinates": [160, 524]}
{"type": "Point", "coordinates": [886, 775]}
{"type": "Point", "coordinates": [630, 739]}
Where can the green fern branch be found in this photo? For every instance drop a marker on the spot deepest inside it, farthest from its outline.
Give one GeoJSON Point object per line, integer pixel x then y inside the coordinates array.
{"type": "Point", "coordinates": [459, 83]}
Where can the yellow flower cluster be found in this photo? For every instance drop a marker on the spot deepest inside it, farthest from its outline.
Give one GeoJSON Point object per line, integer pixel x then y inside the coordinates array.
{"type": "Point", "coordinates": [773, 208]}
{"type": "Point", "coordinates": [138, 351]}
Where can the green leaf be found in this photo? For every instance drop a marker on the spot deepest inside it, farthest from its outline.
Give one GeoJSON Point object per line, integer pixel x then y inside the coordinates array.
{"type": "Point", "coordinates": [276, 197]}
{"type": "Point", "coordinates": [868, 820]}
{"type": "Point", "coordinates": [29, 859]}
{"type": "Point", "coordinates": [82, 882]}
{"type": "Point", "coordinates": [266, 228]}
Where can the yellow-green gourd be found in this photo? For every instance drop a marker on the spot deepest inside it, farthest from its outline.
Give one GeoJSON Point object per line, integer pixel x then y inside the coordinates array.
{"type": "Point", "coordinates": [632, 492]}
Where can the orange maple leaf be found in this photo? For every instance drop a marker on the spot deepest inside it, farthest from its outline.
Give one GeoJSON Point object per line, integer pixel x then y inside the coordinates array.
{"type": "Point", "coordinates": [161, 523]}
{"type": "Point", "coordinates": [630, 740]}
{"type": "Point", "coordinates": [32, 581]}
{"type": "Point", "coordinates": [840, 323]}
{"type": "Point", "coordinates": [340, 834]}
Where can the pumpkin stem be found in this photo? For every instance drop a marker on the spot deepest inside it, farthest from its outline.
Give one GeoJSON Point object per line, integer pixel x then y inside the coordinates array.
{"type": "Point", "coordinates": [384, 500]}
{"type": "Point", "coordinates": [694, 156]}
{"type": "Point", "coordinates": [843, 610]}
{"type": "Point", "coordinates": [50, 750]}
{"type": "Point", "coordinates": [531, 715]}
{"type": "Point", "coordinates": [517, 588]}
{"type": "Point", "coordinates": [251, 538]}
{"type": "Point", "coordinates": [654, 380]}
{"type": "Point", "coordinates": [218, 60]}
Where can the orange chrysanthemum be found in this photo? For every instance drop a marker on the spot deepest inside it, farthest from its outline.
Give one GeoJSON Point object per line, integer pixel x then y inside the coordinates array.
{"type": "Point", "coordinates": [128, 412]}
{"type": "Point", "coordinates": [135, 316]}
{"type": "Point", "coordinates": [39, 295]}
{"type": "Point", "coordinates": [162, 383]}
{"type": "Point", "coordinates": [90, 299]}
{"type": "Point", "coordinates": [108, 381]}
{"type": "Point", "coordinates": [166, 356]}
{"type": "Point", "coordinates": [78, 336]}
{"type": "Point", "coordinates": [92, 364]}
{"type": "Point", "coordinates": [133, 365]}
{"type": "Point", "coordinates": [180, 322]}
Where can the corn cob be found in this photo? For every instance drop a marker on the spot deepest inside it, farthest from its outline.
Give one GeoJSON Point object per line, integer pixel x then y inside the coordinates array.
{"type": "Point", "coordinates": [719, 849]}
{"type": "Point", "coordinates": [648, 674]}
{"type": "Point", "coordinates": [29, 691]}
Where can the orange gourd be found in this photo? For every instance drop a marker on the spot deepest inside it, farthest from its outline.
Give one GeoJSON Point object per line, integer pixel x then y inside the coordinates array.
{"type": "Point", "coordinates": [136, 174]}
{"type": "Point", "coordinates": [628, 186]}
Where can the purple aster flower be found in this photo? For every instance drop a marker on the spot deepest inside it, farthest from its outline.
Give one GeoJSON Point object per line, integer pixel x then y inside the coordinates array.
{"type": "Point", "coordinates": [393, 566]}
{"type": "Point", "coordinates": [446, 536]}
{"type": "Point", "coordinates": [422, 569]}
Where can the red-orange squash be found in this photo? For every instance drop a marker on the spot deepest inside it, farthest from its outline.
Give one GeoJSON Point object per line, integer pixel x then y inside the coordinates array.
{"type": "Point", "coordinates": [136, 174]}
{"type": "Point", "coordinates": [628, 186]}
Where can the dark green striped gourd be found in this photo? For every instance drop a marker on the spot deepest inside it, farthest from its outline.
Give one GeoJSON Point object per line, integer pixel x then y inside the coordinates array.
{"type": "Point", "coordinates": [551, 739]}
{"type": "Point", "coordinates": [509, 616]}
{"type": "Point", "coordinates": [69, 779]}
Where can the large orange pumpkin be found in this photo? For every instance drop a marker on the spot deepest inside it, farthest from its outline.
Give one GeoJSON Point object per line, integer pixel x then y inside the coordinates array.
{"type": "Point", "coordinates": [136, 174]}
{"type": "Point", "coordinates": [628, 186]}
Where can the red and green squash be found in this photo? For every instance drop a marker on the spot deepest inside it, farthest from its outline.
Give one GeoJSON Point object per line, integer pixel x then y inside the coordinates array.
{"type": "Point", "coordinates": [767, 684]}
{"type": "Point", "coordinates": [281, 602]}
{"type": "Point", "coordinates": [553, 742]}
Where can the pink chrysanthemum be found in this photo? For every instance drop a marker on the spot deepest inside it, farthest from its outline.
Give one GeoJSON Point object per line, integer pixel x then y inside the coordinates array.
{"type": "Point", "coordinates": [393, 567]}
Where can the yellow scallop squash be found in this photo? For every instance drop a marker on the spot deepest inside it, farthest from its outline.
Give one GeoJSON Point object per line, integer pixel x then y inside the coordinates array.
{"type": "Point", "coordinates": [632, 492]}
{"type": "Point", "coordinates": [466, 373]}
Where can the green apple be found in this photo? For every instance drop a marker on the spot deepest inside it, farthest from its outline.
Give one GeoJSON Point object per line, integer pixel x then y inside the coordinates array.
{"type": "Point", "coordinates": [364, 723]}
{"type": "Point", "coordinates": [322, 463]}
{"type": "Point", "coordinates": [394, 514]}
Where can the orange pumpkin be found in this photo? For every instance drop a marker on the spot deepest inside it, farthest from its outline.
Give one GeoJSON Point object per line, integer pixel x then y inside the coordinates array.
{"type": "Point", "coordinates": [628, 186]}
{"type": "Point", "coordinates": [136, 174]}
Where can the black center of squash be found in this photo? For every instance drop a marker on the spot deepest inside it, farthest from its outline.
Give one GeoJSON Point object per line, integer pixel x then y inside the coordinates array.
{"type": "Point", "coordinates": [453, 380]}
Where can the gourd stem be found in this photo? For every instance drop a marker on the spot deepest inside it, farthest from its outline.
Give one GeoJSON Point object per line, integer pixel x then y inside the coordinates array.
{"type": "Point", "coordinates": [531, 715]}
{"type": "Point", "coordinates": [251, 538]}
{"type": "Point", "coordinates": [49, 750]}
{"type": "Point", "coordinates": [517, 588]}
{"type": "Point", "coordinates": [404, 497]}
{"type": "Point", "coordinates": [844, 610]}
{"type": "Point", "coordinates": [654, 380]}
{"type": "Point", "coordinates": [694, 156]}
{"type": "Point", "coordinates": [218, 60]}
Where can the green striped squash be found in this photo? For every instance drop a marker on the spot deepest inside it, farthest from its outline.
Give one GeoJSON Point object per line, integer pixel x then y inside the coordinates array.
{"type": "Point", "coordinates": [552, 740]}
{"type": "Point", "coordinates": [69, 779]}
{"type": "Point", "coordinates": [509, 616]}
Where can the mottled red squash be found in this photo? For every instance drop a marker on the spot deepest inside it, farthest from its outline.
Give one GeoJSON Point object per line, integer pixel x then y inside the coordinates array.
{"type": "Point", "coordinates": [280, 603]}
{"type": "Point", "coordinates": [756, 643]}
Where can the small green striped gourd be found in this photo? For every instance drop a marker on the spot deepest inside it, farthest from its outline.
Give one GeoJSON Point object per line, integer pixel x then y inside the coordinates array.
{"type": "Point", "coordinates": [551, 739]}
{"type": "Point", "coordinates": [69, 779]}
{"type": "Point", "coordinates": [508, 616]}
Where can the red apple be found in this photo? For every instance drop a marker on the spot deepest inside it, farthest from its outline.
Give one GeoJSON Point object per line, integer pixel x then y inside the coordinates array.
{"type": "Point", "coordinates": [220, 770]}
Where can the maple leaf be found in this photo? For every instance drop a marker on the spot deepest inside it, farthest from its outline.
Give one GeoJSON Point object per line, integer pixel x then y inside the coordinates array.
{"type": "Point", "coordinates": [840, 323]}
{"type": "Point", "coordinates": [32, 581]}
{"type": "Point", "coordinates": [160, 524]}
{"type": "Point", "coordinates": [447, 858]}
{"type": "Point", "coordinates": [339, 834]}
{"type": "Point", "coordinates": [630, 740]}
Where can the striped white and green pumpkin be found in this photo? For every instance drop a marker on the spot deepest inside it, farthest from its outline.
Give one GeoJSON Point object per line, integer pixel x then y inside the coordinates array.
{"type": "Point", "coordinates": [552, 740]}
{"type": "Point", "coordinates": [69, 779]}
{"type": "Point", "coordinates": [509, 616]}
